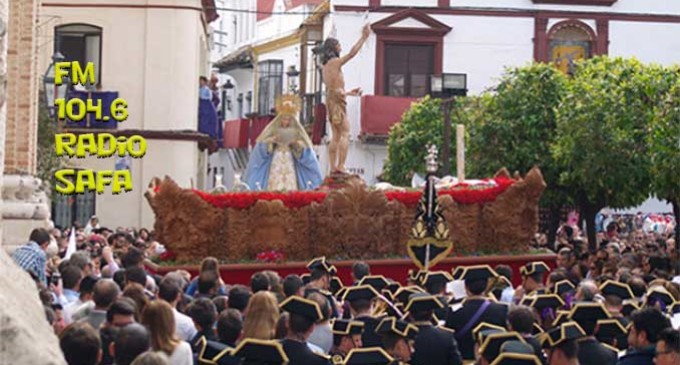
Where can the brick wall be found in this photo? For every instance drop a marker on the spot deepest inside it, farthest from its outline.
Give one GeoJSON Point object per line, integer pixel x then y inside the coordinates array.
{"type": "Point", "coordinates": [4, 10]}
{"type": "Point", "coordinates": [22, 88]}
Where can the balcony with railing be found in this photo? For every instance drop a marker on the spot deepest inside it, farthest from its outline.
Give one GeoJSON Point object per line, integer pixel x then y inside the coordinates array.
{"type": "Point", "coordinates": [376, 115]}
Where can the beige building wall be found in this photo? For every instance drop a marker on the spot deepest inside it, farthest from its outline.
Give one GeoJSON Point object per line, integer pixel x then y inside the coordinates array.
{"type": "Point", "coordinates": [151, 55]}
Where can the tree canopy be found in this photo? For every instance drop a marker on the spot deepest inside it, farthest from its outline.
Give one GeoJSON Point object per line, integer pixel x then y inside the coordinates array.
{"type": "Point", "coordinates": [606, 136]}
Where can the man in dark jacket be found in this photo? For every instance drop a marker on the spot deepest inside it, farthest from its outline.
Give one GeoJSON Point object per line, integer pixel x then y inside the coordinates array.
{"type": "Point", "coordinates": [433, 345]}
{"type": "Point", "coordinates": [476, 308]}
{"type": "Point", "coordinates": [643, 335]}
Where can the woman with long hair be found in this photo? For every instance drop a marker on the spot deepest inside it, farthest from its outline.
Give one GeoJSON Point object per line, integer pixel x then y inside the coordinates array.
{"type": "Point", "coordinates": [261, 316]}
{"type": "Point", "coordinates": [160, 321]}
{"type": "Point", "coordinates": [136, 292]}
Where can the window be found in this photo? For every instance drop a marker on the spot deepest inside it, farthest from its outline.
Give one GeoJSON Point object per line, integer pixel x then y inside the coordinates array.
{"type": "Point", "coordinates": [408, 69]}
{"type": "Point", "coordinates": [249, 102]}
{"type": "Point", "coordinates": [239, 102]}
{"type": "Point", "coordinates": [270, 85]}
{"type": "Point", "coordinates": [80, 42]}
{"type": "Point", "coordinates": [67, 209]}
{"type": "Point", "coordinates": [569, 43]}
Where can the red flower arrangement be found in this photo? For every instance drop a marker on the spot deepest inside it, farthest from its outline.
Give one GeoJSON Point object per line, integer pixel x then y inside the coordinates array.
{"type": "Point", "coordinates": [272, 256]}
{"type": "Point", "coordinates": [462, 193]}
{"type": "Point", "coordinates": [167, 256]}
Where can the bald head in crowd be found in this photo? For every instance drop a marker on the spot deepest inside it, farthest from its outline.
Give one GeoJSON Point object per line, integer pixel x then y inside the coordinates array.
{"type": "Point", "coordinates": [105, 293]}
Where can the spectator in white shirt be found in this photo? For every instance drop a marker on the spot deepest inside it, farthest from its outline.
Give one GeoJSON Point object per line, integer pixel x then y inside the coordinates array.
{"type": "Point", "coordinates": [169, 290]}
{"type": "Point", "coordinates": [84, 301]}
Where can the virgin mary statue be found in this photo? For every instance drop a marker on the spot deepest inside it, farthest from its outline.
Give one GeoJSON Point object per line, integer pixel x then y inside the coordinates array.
{"type": "Point", "coordinates": [283, 158]}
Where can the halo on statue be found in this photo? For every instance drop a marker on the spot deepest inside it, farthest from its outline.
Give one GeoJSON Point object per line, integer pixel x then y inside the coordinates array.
{"type": "Point", "coordinates": [289, 104]}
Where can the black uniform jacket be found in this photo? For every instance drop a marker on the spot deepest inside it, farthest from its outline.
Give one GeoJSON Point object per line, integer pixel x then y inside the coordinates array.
{"type": "Point", "coordinates": [435, 346]}
{"type": "Point", "coordinates": [495, 313]}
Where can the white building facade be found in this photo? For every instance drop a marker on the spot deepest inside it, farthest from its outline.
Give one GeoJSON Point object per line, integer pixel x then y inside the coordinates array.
{"type": "Point", "coordinates": [152, 53]}
{"type": "Point", "coordinates": [479, 38]}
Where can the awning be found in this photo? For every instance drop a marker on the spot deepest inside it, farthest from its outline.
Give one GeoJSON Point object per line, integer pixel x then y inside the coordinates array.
{"type": "Point", "coordinates": [240, 58]}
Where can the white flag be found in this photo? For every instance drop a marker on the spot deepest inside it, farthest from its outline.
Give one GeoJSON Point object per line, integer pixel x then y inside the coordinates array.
{"type": "Point", "coordinates": [71, 244]}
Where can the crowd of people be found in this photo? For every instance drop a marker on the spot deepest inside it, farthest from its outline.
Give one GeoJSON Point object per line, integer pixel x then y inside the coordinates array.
{"type": "Point", "coordinates": [617, 304]}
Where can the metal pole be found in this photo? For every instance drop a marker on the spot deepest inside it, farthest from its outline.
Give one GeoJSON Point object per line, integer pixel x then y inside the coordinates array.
{"type": "Point", "coordinates": [446, 150]}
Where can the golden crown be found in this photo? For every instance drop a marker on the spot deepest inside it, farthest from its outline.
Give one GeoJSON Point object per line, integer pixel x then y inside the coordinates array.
{"type": "Point", "coordinates": [288, 104]}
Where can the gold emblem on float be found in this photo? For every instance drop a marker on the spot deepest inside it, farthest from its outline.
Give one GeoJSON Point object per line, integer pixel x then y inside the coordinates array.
{"type": "Point", "coordinates": [429, 241]}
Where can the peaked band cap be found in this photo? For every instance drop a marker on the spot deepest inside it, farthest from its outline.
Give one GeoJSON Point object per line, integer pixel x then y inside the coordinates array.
{"type": "Point", "coordinates": [215, 353]}
{"type": "Point", "coordinates": [485, 329]}
{"type": "Point", "coordinates": [617, 289]}
{"type": "Point", "coordinates": [659, 294]}
{"type": "Point", "coordinates": [543, 301]}
{"type": "Point", "coordinates": [491, 347]}
{"type": "Point", "coordinates": [303, 307]}
{"type": "Point", "coordinates": [368, 356]}
{"type": "Point", "coordinates": [346, 327]}
{"type": "Point", "coordinates": [405, 292]}
{"type": "Point", "coordinates": [434, 277]}
{"type": "Point", "coordinates": [517, 347]}
{"type": "Point", "coordinates": [609, 328]}
{"type": "Point", "coordinates": [477, 272]}
{"type": "Point", "coordinates": [378, 282]}
{"type": "Point", "coordinates": [630, 306]}
{"type": "Point", "coordinates": [589, 311]}
{"type": "Point", "coordinates": [359, 292]}
{"type": "Point", "coordinates": [509, 358]}
{"type": "Point", "coordinates": [269, 352]}
{"type": "Point", "coordinates": [565, 332]}
{"type": "Point", "coordinates": [534, 267]}
{"type": "Point", "coordinates": [323, 264]}
{"type": "Point", "coordinates": [394, 326]}
{"type": "Point", "coordinates": [422, 302]}
{"type": "Point", "coordinates": [563, 286]}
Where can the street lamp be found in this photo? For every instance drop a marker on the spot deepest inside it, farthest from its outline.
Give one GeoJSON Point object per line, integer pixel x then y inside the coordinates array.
{"type": "Point", "coordinates": [52, 91]}
{"type": "Point", "coordinates": [293, 74]}
{"type": "Point", "coordinates": [448, 87]}
{"type": "Point", "coordinates": [227, 90]}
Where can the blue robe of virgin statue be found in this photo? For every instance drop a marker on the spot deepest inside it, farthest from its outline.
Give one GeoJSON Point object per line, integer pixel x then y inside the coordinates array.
{"type": "Point", "coordinates": [283, 158]}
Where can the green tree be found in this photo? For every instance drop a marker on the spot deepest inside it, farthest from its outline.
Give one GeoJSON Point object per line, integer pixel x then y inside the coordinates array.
{"type": "Point", "coordinates": [664, 142]}
{"type": "Point", "coordinates": [602, 127]}
{"type": "Point", "coordinates": [48, 162]}
{"type": "Point", "coordinates": [518, 131]}
{"type": "Point", "coordinates": [420, 126]}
